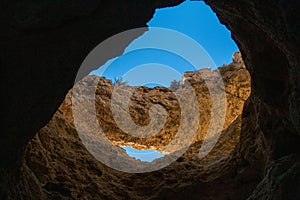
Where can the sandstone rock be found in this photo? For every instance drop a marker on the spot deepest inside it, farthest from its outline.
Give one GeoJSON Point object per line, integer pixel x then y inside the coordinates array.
{"type": "Point", "coordinates": [65, 169]}
{"type": "Point", "coordinates": [34, 84]}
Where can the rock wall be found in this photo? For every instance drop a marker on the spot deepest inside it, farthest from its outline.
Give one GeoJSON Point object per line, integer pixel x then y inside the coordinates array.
{"type": "Point", "coordinates": [63, 168]}
{"type": "Point", "coordinates": [267, 34]}
{"type": "Point", "coordinates": [43, 45]}
{"type": "Point", "coordinates": [40, 55]}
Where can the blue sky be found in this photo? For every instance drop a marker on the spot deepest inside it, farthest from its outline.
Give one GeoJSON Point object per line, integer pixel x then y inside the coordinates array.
{"type": "Point", "coordinates": [197, 20]}
{"type": "Point", "coordinates": [152, 66]}
{"type": "Point", "coordinates": [143, 155]}
{"type": "Point", "coordinates": [192, 18]}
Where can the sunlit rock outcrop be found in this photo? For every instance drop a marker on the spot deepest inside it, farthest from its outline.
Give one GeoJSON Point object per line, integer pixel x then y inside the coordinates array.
{"type": "Point", "coordinates": [63, 168]}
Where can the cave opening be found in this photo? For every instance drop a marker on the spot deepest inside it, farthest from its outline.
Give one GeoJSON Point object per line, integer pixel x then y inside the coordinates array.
{"type": "Point", "coordinates": [55, 164]}
{"type": "Point", "coordinates": [194, 19]}
{"type": "Point", "coordinates": [144, 155]}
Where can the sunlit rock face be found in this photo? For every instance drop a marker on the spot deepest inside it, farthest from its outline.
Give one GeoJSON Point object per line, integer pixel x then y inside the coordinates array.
{"type": "Point", "coordinates": [61, 167]}
{"type": "Point", "coordinates": [237, 59]}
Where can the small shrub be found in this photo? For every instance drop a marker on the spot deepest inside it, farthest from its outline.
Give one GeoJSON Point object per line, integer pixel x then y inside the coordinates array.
{"type": "Point", "coordinates": [120, 82]}
{"type": "Point", "coordinates": [174, 85]}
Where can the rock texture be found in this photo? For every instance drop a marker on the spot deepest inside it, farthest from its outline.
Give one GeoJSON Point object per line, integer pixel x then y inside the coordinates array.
{"type": "Point", "coordinates": [43, 45]}
{"type": "Point", "coordinates": [34, 84]}
{"type": "Point", "coordinates": [237, 84]}
{"type": "Point", "coordinates": [268, 36]}
{"type": "Point", "coordinates": [61, 167]}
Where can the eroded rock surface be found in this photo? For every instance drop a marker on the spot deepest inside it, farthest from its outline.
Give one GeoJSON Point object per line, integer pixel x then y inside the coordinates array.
{"type": "Point", "coordinates": [63, 168]}
{"type": "Point", "coordinates": [268, 36]}
{"type": "Point", "coordinates": [34, 84]}
{"type": "Point", "coordinates": [43, 44]}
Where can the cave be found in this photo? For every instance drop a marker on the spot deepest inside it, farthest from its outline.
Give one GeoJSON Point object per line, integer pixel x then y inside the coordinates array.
{"type": "Point", "coordinates": [39, 60]}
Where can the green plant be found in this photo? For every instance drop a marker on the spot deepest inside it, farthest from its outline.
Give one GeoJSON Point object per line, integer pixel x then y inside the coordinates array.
{"type": "Point", "coordinates": [120, 82]}
{"type": "Point", "coordinates": [174, 85]}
